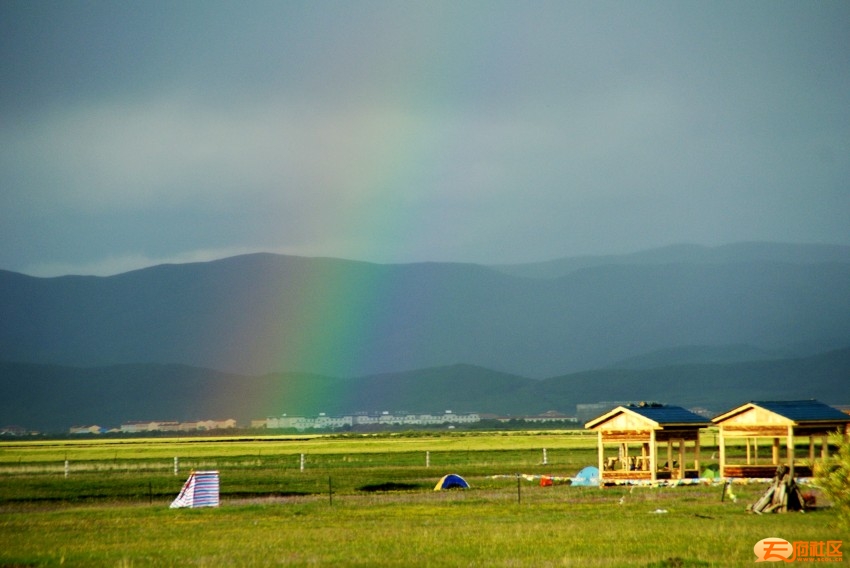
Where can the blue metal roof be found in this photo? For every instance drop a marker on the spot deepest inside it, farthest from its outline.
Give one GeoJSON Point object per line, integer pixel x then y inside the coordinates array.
{"type": "Point", "coordinates": [668, 414]}
{"type": "Point", "coordinates": [803, 410]}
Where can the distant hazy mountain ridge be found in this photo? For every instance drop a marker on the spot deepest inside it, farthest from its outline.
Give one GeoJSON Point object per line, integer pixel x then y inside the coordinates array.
{"type": "Point", "coordinates": [688, 254]}
{"type": "Point", "coordinates": [53, 398]}
{"type": "Point", "coordinates": [264, 313]}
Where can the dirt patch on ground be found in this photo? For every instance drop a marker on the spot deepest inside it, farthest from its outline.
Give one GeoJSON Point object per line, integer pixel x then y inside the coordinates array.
{"type": "Point", "coordinates": [391, 486]}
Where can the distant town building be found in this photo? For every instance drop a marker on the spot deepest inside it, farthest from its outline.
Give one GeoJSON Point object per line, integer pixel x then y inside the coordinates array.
{"type": "Point", "coordinates": [207, 425]}
{"type": "Point", "coordinates": [549, 416]}
{"type": "Point", "coordinates": [171, 426]}
{"type": "Point", "coordinates": [86, 430]}
{"type": "Point", "coordinates": [323, 421]}
{"type": "Point", "coordinates": [13, 430]}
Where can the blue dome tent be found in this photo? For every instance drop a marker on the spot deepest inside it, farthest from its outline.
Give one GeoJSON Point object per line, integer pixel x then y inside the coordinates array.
{"type": "Point", "coordinates": [451, 481]}
{"type": "Point", "coordinates": [587, 477]}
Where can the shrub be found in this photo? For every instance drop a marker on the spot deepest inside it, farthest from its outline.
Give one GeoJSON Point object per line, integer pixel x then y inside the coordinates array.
{"type": "Point", "coordinates": [833, 478]}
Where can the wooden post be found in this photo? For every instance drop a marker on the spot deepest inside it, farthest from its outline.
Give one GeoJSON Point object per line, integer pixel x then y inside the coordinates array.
{"type": "Point", "coordinates": [747, 440]}
{"type": "Point", "coordinates": [428, 458]}
{"type": "Point", "coordinates": [755, 451]}
{"type": "Point", "coordinates": [601, 457]}
{"type": "Point", "coordinates": [824, 447]}
{"type": "Point", "coordinates": [789, 443]}
{"type": "Point", "coordinates": [670, 456]}
{"type": "Point", "coordinates": [721, 448]}
{"type": "Point", "coordinates": [681, 458]}
{"type": "Point", "coordinates": [696, 454]}
{"type": "Point", "coordinates": [776, 451]}
{"type": "Point", "coordinates": [811, 448]}
{"type": "Point", "coordinates": [653, 466]}
{"type": "Point", "coordinates": [67, 469]}
{"type": "Point", "coordinates": [302, 462]}
{"type": "Point", "coordinates": [176, 466]}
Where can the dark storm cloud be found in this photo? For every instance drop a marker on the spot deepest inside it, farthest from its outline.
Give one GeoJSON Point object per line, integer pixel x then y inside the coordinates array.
{"type": "Point", "coordinates": [480, 131]}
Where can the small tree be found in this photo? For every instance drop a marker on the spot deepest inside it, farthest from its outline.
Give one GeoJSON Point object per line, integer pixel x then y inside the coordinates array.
{"type": "Point", "coordinates": [833, 478]}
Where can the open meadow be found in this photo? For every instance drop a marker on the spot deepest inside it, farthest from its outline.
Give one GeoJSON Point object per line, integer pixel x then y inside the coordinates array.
{"type": "Point", "coordinates": [367, 501]}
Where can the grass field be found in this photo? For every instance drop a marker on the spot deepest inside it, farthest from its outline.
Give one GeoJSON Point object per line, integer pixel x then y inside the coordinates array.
{"type": "Point", "coordinates": [365, 501]}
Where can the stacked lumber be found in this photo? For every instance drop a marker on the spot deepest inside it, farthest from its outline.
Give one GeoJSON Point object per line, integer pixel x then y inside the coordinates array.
{"type": "Point", "coordinates": [782, 495]}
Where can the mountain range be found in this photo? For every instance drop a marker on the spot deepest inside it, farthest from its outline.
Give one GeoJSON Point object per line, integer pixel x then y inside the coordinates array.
{"type": "Point", "coordinates": [584, 327]}
{"type": "Point", "coordinates": [52, 398]}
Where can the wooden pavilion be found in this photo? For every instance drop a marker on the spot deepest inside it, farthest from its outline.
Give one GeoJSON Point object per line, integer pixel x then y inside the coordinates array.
{"type": "Point", "coordinates": [777, 420]}
{"type": "Point", "coordinates": [646, 426]}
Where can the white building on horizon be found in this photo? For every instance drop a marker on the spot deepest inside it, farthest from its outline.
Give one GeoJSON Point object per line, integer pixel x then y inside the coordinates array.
{"type": "Point", "coordinates": [323, 421]}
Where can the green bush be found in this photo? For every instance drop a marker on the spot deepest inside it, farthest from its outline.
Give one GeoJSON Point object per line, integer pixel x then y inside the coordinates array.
{"type": "Point", "coordinates": [833, 478]}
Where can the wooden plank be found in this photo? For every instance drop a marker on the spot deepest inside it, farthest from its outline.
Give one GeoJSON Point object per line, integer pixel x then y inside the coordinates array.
{"type": "Point", "coordinates": [755, 416]}
{"type": "Point", "coordinates": [625, 435]}
{"type": "Point", "coordinates": [761, 471]}
{"type": "Point", "coordinates": [817, 430]}
{"type": "Point", "coordinates": [627, 421]}
{"type": "Point", "coordinates": [749, 471]}
{"type": "Point", "coordinates": [627, 475]}
{"type": "Point", "coordinates": [754, 431]}
{"type": "Point", "coordinates": [679, 434]}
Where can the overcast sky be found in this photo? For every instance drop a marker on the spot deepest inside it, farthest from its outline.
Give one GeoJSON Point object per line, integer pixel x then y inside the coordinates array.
{"type": "Point", "coordinates": [135, 133]}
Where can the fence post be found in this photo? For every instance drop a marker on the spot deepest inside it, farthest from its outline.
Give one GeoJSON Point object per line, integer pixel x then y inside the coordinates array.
{"type": "Point", "coordinates": [428, 458]}
{"type": "Point", "coordinates": [176, 466]}
{"type": "Point", "coordinates": [67, 469]}
{"type": "Point", "coordinates": [545, 460]}
{"type": "Point", "coordinates": [518, 489]}
{"type": "Point", "coordinates": [302, 462]}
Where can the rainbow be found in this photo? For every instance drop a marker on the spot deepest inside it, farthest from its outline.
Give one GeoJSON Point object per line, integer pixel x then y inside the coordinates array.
{"type": "Point", "coordinates": [344, 309]}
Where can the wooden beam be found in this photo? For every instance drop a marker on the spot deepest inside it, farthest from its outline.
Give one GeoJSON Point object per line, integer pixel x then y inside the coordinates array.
{"type": "Point", "coordinates": [721, 443]}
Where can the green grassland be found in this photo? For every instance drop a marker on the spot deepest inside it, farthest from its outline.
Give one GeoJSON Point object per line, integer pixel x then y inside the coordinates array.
{"type": "Point", "coordinates": [366, 501]}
